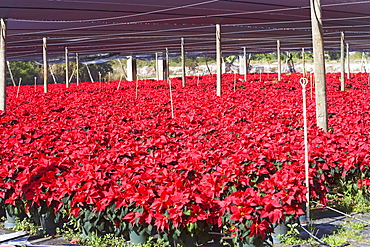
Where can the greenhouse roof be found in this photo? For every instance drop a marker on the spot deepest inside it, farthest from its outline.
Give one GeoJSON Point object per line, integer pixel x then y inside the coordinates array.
{"type": "Point", "coordinates": [145, 27]}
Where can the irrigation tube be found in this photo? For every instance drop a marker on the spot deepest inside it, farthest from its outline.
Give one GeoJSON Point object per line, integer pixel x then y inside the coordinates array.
{"type": "Point", "coordinates": [320, 241]}
{"type": "Point", "coordinates": [340, 212]}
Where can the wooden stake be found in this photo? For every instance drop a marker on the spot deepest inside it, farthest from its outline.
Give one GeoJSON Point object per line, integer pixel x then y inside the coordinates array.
{"type": "Point", "coordinates": [183, 62]}
{"type": "Point", "coordinates": [363, 62]}
{"type": "Point", "coordinates": [311, 84]}
{"type": "Point", "coordinates": [3, 28]}
{"type": "Point", "coordinates": [137, 87]}
{"type": "Point", "coordinates": [342, 63]}
{"type": "Point", "coordinates": [35, 78]}
{"type": "Point", "coordinates": [19, 86]}
{"type": "Point", "coordinates": [348, 63]}
{"type": "Point", "coordinates": [234, 81]}
{"type": "Point", "coordinates": [77, 69]}
{"type": "Point", "coordinates": [218, 61]}
{"type": "Point", "coordinates": [245, 63]}
{"type": "Point", "coordinates": [171, 100]}
{"type": "Point", "coordinates": [88, 70]}
{"type": "Point", "coordinates": [209, 70]}
{"type": "Point", "coordinates": [119, 83]}
{"type": "Point", "coordinates": [67, 67]}
{"type": "Point", "coordinates": [70, 78]}
{"type": "Point", "coordinates": [303, 63]}
{"type": "Point", "coordinates": [44, 54]}
{"type": "Point", "coordinates": [260, 75]}
{"type": "Point", "coordinates": [279, 59]}
{"type": "Point", "coordinates": [52, 74]}
{"type": "Point", "coordinates": [10, 72]}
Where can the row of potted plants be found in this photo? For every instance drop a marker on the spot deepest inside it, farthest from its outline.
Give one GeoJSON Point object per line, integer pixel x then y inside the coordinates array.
{"type": "Point", "coordinates": [117, 162]}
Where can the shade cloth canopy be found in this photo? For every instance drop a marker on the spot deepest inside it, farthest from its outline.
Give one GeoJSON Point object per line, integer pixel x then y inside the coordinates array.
{"type": "Point", "coordinates": [139, 27]}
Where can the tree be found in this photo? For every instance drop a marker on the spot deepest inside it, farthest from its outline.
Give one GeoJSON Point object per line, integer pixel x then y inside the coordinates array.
{"type": "Point", "coordinates": [25, 70]}
{"type": "Point", "coordinates": [103, 68]}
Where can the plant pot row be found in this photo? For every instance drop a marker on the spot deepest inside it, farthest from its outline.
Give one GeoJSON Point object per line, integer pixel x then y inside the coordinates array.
{"type": "Point", "coordinates": [49, 224]}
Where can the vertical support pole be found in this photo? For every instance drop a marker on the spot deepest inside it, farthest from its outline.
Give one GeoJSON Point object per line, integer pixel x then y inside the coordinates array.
{"type": "Point", "coordinates": [161, 68]}
{"type": "Point", "coordinates": [131, 69]}
{"type": "Point", "coordinates": [245, 63]}
{"type": "Point", "coordinates": [45, 58]}
{"type": "Point", "coordinates": [167, 70]}
{"type": "Point", "coordinates": [279, 59]}
{"type": "Point", "coordinates": [156, 66]}
{"type": "Point", "coordinates": [77, 69]}
{"type": "Point", "coordinates": [183, 62]}
{"type": "Point", "coordinates": [342, 63]}
{"type": "Point", "coordinates": [3, 27]}
{"type": "Point", "coordinates": [319, 61]}
{"type": "Point", "coordinates": [363, 62]}
{"type": "Point", "coordinates": [35, 82]}
{"type": "Point", "coordinates": [348, 63]}
{"type": "Point", "coordinates": [219, 60]}
{"type": "Point", "coordinates": [303, 63]}
{"type": "Point", "coordinates": [67, 67]}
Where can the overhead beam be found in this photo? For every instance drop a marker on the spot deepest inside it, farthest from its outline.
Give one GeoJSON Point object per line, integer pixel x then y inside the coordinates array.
{"type": "Point", "coordinates": [3, 27]}
{"type": "Point", "coordinates": [319, 64]}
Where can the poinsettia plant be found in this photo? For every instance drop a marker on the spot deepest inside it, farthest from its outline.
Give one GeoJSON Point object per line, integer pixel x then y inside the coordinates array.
{"type": "Point", "coordinates": [115, 161]}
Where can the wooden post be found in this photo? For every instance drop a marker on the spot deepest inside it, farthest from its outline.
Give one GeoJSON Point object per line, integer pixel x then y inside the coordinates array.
{"type": "Point", "coordinates": [183, 62]}
{"type": "Point", "coordinates": [131, 68]}
{"type": "Point", "coordinates": [19, 86]}
{"type": "Point", "coordinates": [279, 59]}
{"type": "Point", "coordinates": [218, 61]}
{"type": "Point", "coordinates": [363, 62]}
{"type": "Point", "coordinates": [77, 69]}
{"type": "Point", "coordinates": [319, 61]}
{"type": "Point", "coordinates": [3, 27]}
{"type": "Point", "coordinates": [10, 73]}
{"type": "Point", "coordinates": [45, 65]}
{"type": "Point", "coordinates": [303, 63]}
{"type": "Point", "coordinates": [156, 66]}
{"type": "Point", "coordinates": [167, 65]}
{"type": "Point", "coordinates": [245, 63]}
{"type": "Point", "coordinates": [88, 71]}
{"type": "Point", "coordinates": [52, 74]}
{"type": "Point", "coordinates": [342, 63]}
{"type": "Point", "coordinates": [171, 98]}
{"type": "Point", "coordinates": [67, 67]}
{"type": "Point", "coordinates": [348, 63]}
{"type": "Point", "coordinates": [35, 80]}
